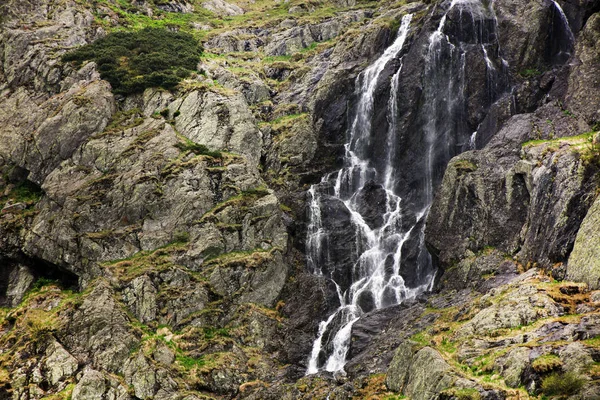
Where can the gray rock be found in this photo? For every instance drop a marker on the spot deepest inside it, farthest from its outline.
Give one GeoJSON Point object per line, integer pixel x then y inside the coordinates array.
{"type": "Point", "coordinates": [163, 355]}
{"type": "Point", "coordinates": [140, 296]}
{"type": "Point", "coordinates": [428, 375]}
{"type": "Point", "coordinates": [177, 6]}
{"type": "Point", "coordinates": [99, 331]}
{"type": "Point", "coordinates": [576, 358]}
{"type": "Point", "coordinates": [91, 386]}
{"type": "Point", "coordinates": [222, 8]}
{"type": "Point", "coordinates": [19, 282]}
{"type": "Point", "coordinates": [219, 122]}
{"type": "Point", "coordinates": [141, 376]}
{"type": "Point", "coordinates": [260, 280]}
{"type": "Point", "coordinates": [58, 363]}
{"type": "Point", "coordinates": [584, 86]}
{"type": "Point", "coordinates": [521, 306]}
{"type": "Point", "coordinates": [512, 365]}
{"type": "Point", "coordinates": [584, 261]}
{"type": "Point", "coordinates": [397, 373]}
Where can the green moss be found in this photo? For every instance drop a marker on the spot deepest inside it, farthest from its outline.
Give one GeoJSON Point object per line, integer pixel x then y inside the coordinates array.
{"type": "Point", "coordinates": [530, 73]}
{"type": "Point", "coordinates": [465, 166]}
{"type": "Point", "coordinates": [579, 140]}
{"type": "Point", "coordinates": [181, 237]}
{"type": "Point", "coordinates": [64, 394]}
{"type": "Point", "coordinates": [198, 149]}
{"type": "Point", "coordinates": [241, 201]}
{"type": "Point", "coordinates": [134, 61]}
{"type": "Point", "coordinates": [546, 363]}
{"type": "Point", "coordinates": [158, 260]}
{"type": "Point", "coordinates": [25, 192]}
{"type": "Point", "coordinates": [421, 338]}
{"type": "Point", "coordinates": [190, 362]}
{"type": "Point", "coordinates": [448, 346]}
{"type": "Point", "coordinates": [41, 282]}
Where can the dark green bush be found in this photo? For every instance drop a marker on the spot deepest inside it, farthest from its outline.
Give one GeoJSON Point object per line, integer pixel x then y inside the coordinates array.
{"type": "Point", "coordinates": [134, 61]}
{"type": "Point", "coordinates": [562, 384]}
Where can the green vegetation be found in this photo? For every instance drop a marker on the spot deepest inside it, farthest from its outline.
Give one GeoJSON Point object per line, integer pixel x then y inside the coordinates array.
{"type": "Point", "coordinates": [241, 201]}
{"type": "Point", "coordinates": [190, 362]}
{"type": "Point", "coordinates": [546, 363]}
{"type": "Point", "coordinates": [530, 73]}
{"type": "Point", "coordinates": [144, 261]}
{"type": "Point", "coordinates": [562, 384]}
{"type": "Point", "coordinates": [64, 394]}
{"type": "Point", "coordinates": [134, 61]}
{"type": "Point", "coordinates": [123, 120]}
{"type": "Point", "coordinates": [23, 192]}
{"type": "Point", "coordinates": [181, 237]}
{"type": "Point", "coordinates": [246, 259]}
{"type": "Point", "coordinates": [41, 282]}
{"type": "Point", "coordinates": [582, 140]}
{"type": "Point", "coordinates": [198, 149]}
{"type": "Point", "coordinates": [465, 166]}
{"type": "Point", "coordinates": [421, 338]}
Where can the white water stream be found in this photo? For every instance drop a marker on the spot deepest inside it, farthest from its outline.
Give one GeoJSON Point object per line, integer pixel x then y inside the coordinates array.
{"type": "Point", "coordinates": [377, 271]}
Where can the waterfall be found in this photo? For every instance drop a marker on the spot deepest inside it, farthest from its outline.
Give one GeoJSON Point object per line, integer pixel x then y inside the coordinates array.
{"type": "Point", "coordinates": [361, 204]}
{"type": "Point", "coordinates": [567, 42]}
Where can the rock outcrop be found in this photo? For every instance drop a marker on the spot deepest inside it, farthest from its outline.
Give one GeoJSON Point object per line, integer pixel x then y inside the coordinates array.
{"type": "Point", "coordinates": [152, 245]}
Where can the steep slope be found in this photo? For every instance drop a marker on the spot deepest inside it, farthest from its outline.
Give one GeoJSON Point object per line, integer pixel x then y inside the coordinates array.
{"type": "Point", "coordinates": [152, 245]}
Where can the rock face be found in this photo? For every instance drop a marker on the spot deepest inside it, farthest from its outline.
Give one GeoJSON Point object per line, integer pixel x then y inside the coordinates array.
{"type": "Point", "coordinates": [583, 261]}
{"type": "Point", "coordinates": [152, 246]}
{"type": "Point", "coordinates": [526, 199]}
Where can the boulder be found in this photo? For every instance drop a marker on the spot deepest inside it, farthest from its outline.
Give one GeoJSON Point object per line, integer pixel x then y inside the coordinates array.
{"type": "Point", "coordinates": [584, 261]}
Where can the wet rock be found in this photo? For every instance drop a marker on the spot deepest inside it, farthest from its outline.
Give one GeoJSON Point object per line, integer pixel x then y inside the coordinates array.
{"type": "Point", "coordinates": [525, 44]}
{"type": "Point", "coordinates": [309, 300]}
{"type": "Point", "coordinates": [371, 203]}
{"type": "Point", "coordinates": [544, 197]}
{"type": "Point", "coordinates": [339, 248]}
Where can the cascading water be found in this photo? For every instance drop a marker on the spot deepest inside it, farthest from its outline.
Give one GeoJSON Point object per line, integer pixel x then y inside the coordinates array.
{"type": "Point", "coordinates": [566, 43]}
{"type": "Point", "coordinates": [365, 193]}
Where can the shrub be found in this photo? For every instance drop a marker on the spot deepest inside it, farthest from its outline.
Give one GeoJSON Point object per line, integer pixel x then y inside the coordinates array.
{"type": "Point", "coordinates": [134, 61]}
{"type": "Point", "coordinates": [561, 384]}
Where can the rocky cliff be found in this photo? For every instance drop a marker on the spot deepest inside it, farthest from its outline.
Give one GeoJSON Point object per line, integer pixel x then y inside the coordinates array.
{"type": "Point", "coordinates": [152, 244]}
